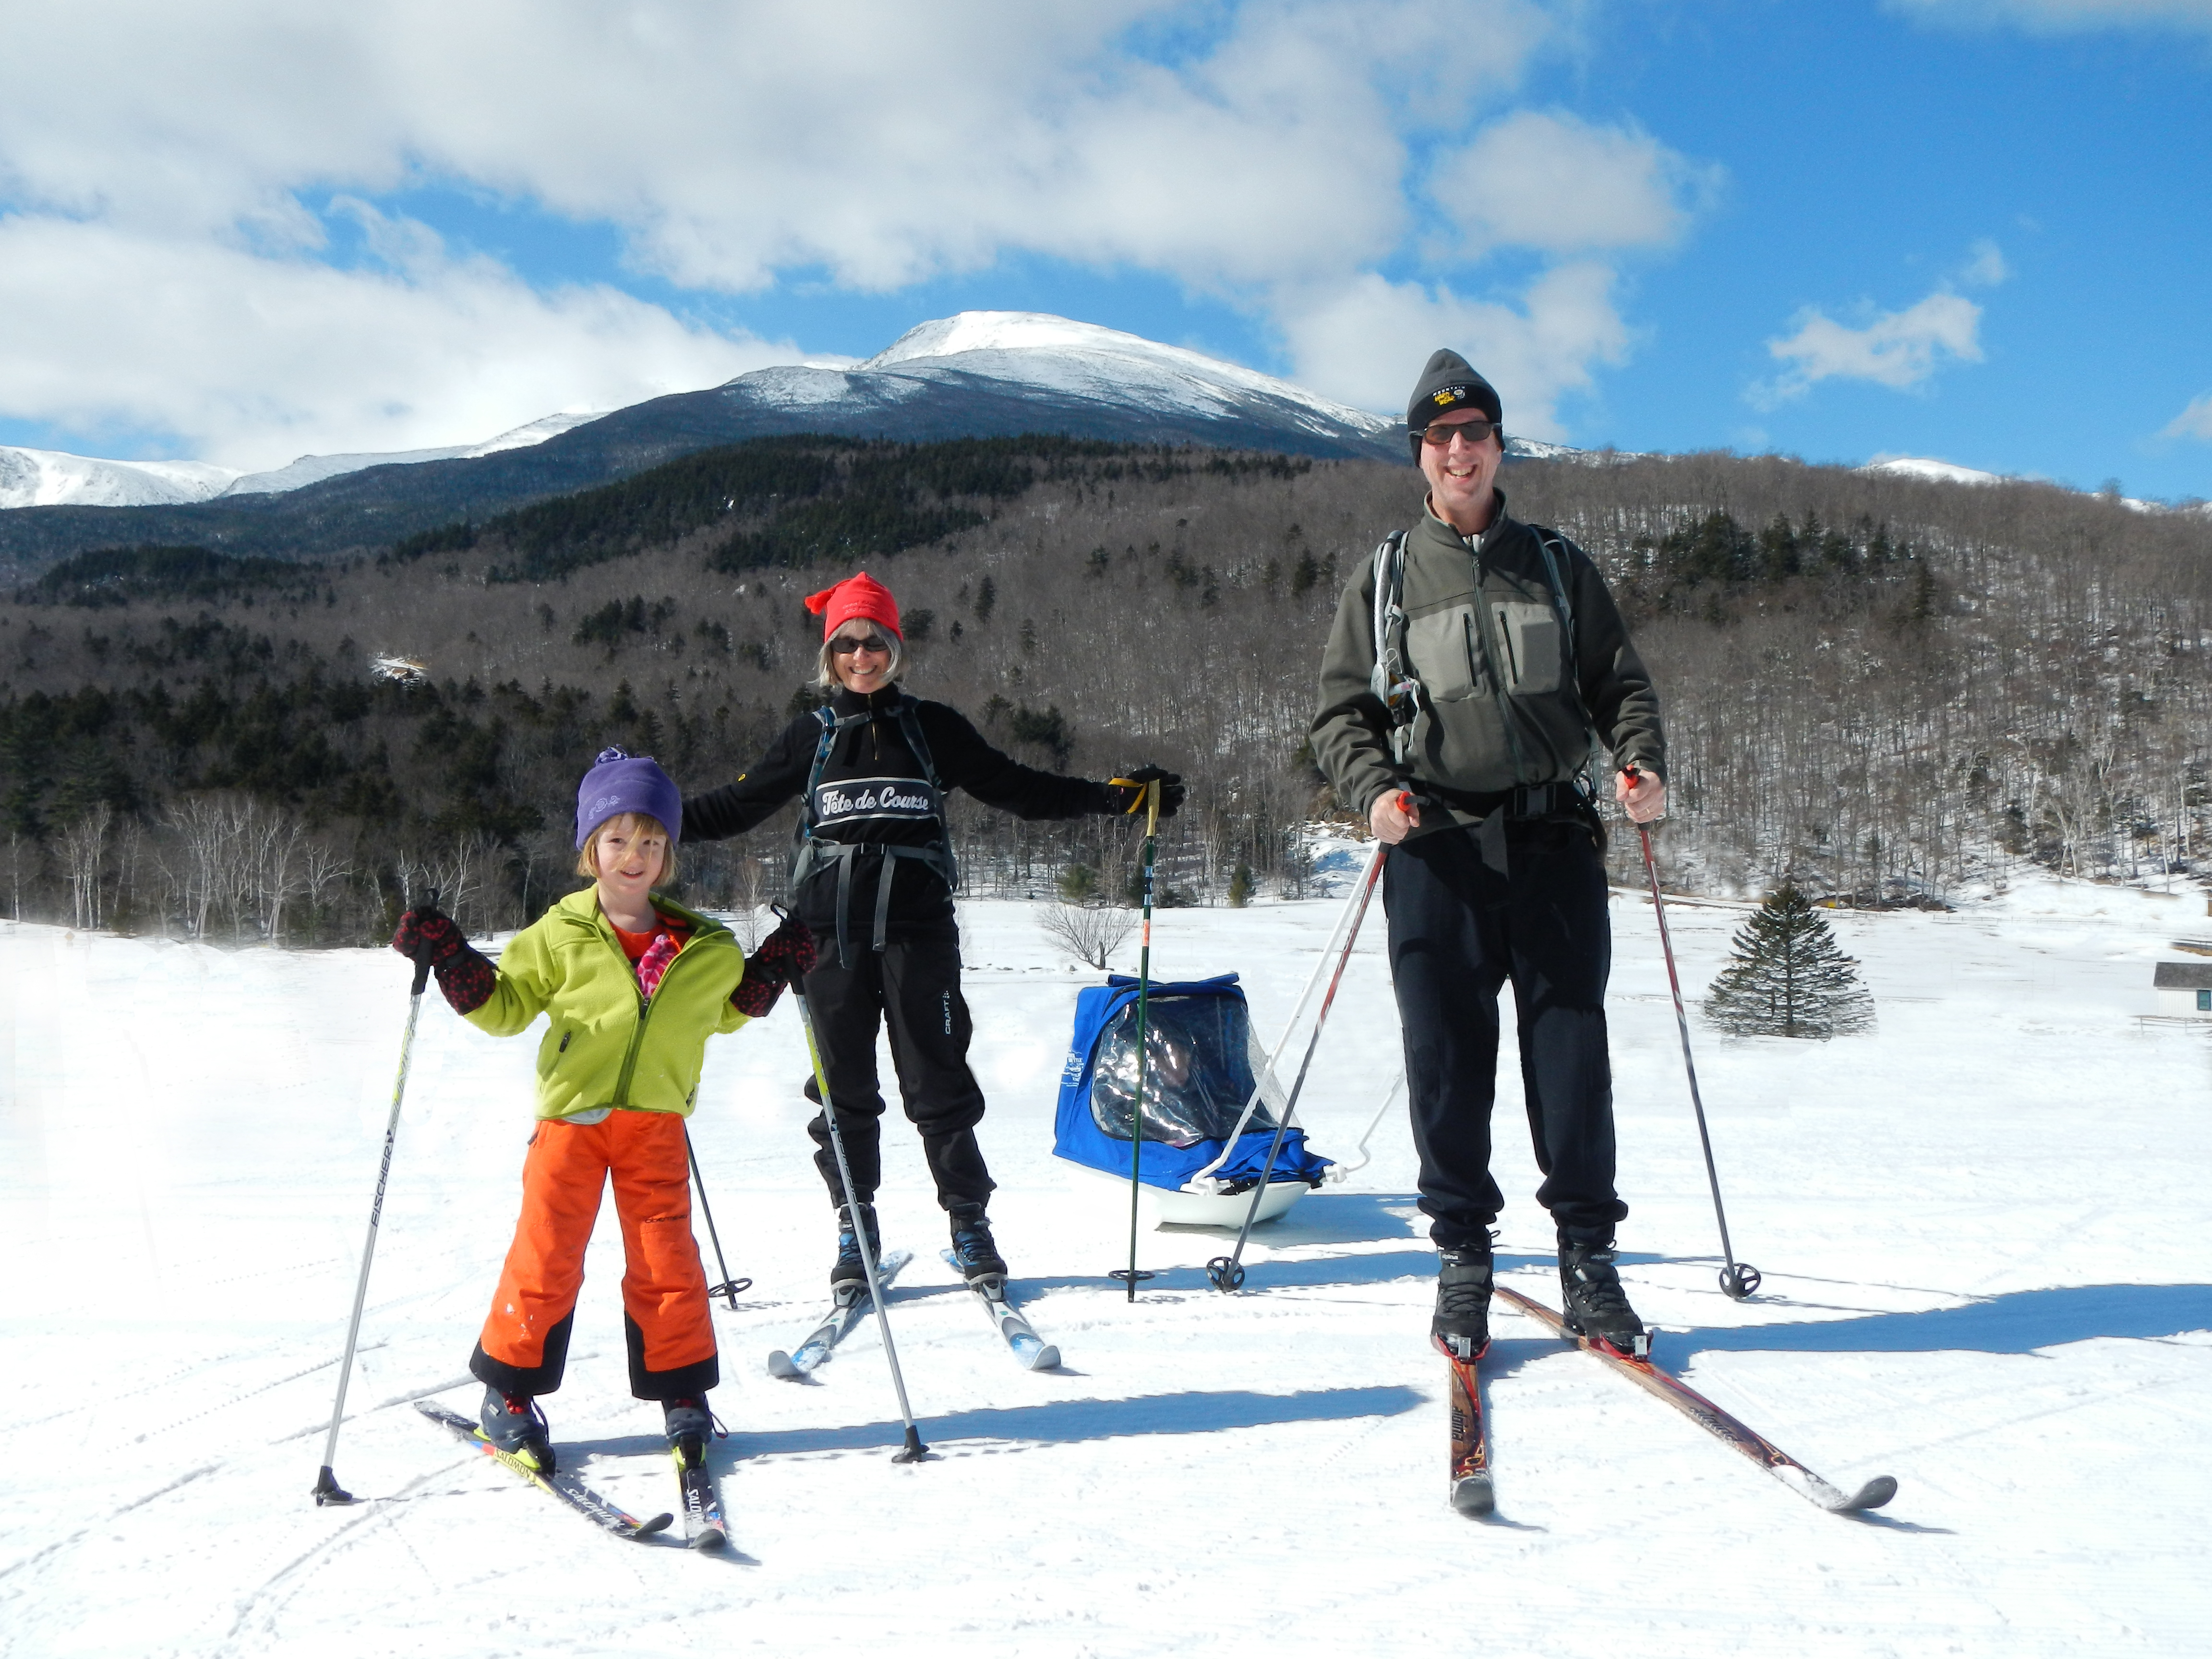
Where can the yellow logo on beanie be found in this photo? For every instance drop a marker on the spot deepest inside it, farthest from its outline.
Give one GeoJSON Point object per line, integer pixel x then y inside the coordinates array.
{"type": "Point", "coordinates": [1448, 396]}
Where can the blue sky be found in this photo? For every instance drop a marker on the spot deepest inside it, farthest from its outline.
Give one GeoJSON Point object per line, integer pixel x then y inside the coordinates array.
{"type": "Point", "coordinates": [1970, 229]}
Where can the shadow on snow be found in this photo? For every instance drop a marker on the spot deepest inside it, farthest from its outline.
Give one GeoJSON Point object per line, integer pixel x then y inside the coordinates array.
{"type": "Point", "coordinates": [2020, 1322]}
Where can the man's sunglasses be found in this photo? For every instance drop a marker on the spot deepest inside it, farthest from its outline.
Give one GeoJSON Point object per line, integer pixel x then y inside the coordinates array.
{"type": "Point", "coordinates": [845, 644]}
{"type": "Point", "coordinates": [1440, 437]}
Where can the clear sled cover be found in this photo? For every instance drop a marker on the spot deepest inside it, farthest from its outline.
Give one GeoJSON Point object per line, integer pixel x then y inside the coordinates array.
{"type": "Point", "coordinates": [1198, 1069]}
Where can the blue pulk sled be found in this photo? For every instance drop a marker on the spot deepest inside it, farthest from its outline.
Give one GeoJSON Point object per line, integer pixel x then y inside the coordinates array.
{"type": "Point", "coordinates": [1199, 1072]}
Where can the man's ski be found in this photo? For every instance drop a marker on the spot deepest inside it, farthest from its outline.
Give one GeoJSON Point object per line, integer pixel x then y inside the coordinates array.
{"type": "Point", "coordinates": [1034, 1353]}
{"type": "Point", "coordinates": [571, 1491]}
{"type": "Point", "coordinates": [1715, 1421]}
{"type": "Point", "coordinates": [1471, 1489]}
{"type": "Point", "coordinates": [844, 1312]}
{"type": "Point", "coordinates": [704, 1528]}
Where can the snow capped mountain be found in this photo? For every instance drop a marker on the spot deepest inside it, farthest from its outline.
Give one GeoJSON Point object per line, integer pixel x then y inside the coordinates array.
{"type": "Point", "coordinates": [314, 469]}
{"type": "Point", "coordinates": [1919, 466]}
{"type": "Point", "coordinates": [1083, 360]}
{"type": "Point", "coordinates": [49, 477]}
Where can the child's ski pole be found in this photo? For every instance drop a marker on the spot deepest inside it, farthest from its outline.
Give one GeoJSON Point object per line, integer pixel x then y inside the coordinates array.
{"type": "Point", "coordinates": [326, 1488]}
{"type": "Point", "coordinates": [914, 1451]}
{"type": "Point", "coordinates": [1738, 1278]}
{"type": "Point", "coordinates": [729, 1287]}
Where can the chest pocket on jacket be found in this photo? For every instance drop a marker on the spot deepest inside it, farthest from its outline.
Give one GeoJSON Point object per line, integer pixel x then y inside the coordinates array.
{"type": "Point", "coordinates": [1531, 634]}
{"type": "Point", "coordinates": [1445, 654]}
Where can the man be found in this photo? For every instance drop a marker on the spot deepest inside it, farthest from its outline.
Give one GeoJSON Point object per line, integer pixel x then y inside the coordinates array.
{"type": "Point", "coordinates": [1467, 750]}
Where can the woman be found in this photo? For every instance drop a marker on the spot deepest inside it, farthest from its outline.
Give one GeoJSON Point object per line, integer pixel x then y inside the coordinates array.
{"type": "Point", "coordinates": [873, 879]}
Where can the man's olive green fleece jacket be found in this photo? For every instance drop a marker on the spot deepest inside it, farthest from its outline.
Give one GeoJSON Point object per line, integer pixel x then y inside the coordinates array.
{"type": "Point", "coordinates": [1504, 694]}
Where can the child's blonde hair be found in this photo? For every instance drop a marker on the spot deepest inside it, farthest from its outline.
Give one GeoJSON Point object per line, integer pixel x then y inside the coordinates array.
{"type": "Point", "coordinates": [588, 859]}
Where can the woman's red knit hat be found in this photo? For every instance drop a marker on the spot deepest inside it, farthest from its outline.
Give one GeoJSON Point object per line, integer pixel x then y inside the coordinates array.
{"type": "Point", "coordinates": [861, 597]}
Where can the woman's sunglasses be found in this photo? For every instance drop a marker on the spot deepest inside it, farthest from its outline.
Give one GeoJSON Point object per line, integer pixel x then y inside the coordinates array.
{"type": "Point", "coordinates": [845, 644]}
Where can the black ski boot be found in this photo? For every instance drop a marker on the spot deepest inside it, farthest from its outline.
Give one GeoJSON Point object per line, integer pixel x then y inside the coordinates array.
{"type": "Point", "coordinates": [1461, 1324]}
{"type": "Point", "coordinates": [514, 1423]}
{"type": "Point", "coordinates": [849, 1275]}
{"type": "Point", "coordinates": [1596, 1306]}
{"type": "Point", "coordinates": [974, 1250]}
{"type": "Point", "coordinates": [689, 1423]}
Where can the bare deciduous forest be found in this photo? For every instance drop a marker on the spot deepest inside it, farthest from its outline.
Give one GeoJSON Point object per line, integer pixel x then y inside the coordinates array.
{"type": "Point", "coordinates": [1889, 689]}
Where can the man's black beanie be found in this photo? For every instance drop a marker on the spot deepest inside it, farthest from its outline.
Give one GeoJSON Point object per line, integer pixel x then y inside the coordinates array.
{"type": "Point", "coordinates": [1449, 382]}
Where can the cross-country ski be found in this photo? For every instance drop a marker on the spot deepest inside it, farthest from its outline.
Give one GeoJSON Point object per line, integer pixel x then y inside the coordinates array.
{"type": "Point", "coordinates": [1034, 1353]}
{"type": "Point", "coordinates": [1720, 1424]}
{"type": "Point", "coordinates": [850, 1308]}
{"type": "Point", "coordinates": [601, 1512]}
{"type": "Point", "coordinates": [1471, 1489]}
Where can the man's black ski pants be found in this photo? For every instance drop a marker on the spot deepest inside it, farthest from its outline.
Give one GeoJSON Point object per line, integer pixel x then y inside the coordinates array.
{"type": "Point", "coordinates": [1458, 931]}
{"type": "Point", "coordinates": [914, 984]}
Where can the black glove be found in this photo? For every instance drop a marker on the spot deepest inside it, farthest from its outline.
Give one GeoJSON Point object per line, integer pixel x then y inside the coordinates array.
{"type": "Point", "coordinates": [427, 935]}
{"type": "Point", "coordinates": [1127, 793]}
{"type": "Point", "coordinates": [784, 955]}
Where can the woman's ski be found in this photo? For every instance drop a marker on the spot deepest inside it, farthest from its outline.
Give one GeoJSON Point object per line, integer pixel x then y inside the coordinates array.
{"type": "Point", "coordinates": [1472, 1492]}
{"type": "Point", "coordinates": [845, 1312]}
{"type": "Point", "coordinates": [1715, 1421]}
{"type": "Point", "coordinates": [1034, 1353]}
{"type": "Point", "coordinates": [601, 1512]}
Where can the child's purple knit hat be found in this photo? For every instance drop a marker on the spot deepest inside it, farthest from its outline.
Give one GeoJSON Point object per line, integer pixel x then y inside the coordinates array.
{"type": "Point", "coordinates": [625, 783]}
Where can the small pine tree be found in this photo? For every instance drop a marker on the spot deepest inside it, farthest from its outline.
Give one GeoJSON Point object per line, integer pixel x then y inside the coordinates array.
{"type": "Point", "coordinates": [1241, 885]}
{"type": "Point", "coordinates": [1787, 977]}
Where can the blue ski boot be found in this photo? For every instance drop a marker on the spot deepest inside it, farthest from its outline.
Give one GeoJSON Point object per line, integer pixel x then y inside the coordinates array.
{"type": "Point", "coordinates": [974, 1250]}
{"type": "Point", "coordinates": [514, 1424]}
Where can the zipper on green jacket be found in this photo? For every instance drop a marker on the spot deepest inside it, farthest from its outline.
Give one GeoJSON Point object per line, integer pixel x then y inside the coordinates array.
{"type": "Point", "coordinates": [644, 1013]}
{"type": "Point", "coordinates": [1493, 654]}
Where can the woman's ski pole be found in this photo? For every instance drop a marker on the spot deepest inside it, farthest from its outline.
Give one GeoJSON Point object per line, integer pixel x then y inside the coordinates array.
{"type": "Point", "coordinates": [1738, 1278]}
{"type": "Point", "coordinates": [1130, 1274]}
{"type": "Point", "coordinates": [1227, 1272]}
{"type": "Point", "coordinates": [729, 1287]}
{"type": "Point", "coordinates": [914, 1451]}
{"type": "Point", "coordinates": [326, 1489]}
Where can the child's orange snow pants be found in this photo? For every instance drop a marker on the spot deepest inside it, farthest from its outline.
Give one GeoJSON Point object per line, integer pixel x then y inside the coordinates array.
{"type": "Point", "coordinates": [524, 1345]}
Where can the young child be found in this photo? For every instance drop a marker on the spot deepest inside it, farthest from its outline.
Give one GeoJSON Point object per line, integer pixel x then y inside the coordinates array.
{"type": "Point", "coordinates": [632, 985]}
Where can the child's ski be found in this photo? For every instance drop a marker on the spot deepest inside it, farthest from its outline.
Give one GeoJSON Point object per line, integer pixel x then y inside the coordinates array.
{"type": "Point", "coordinates": [1715, 1421]}
{"type": "Point", "coordinates": [1472, 1492]}
{"type": "Point", "coordinates": [704, 1528]}
{"type": "Point", "coordinates": [1034, 1352]}
{"type": "Point", "coordinates": [575, 1493]}
{"type": "Point", "coordinates": [844, 1312]}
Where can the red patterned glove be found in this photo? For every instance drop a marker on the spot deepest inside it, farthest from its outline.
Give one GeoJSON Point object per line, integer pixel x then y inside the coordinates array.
{"type": "Point", "coordinates": [465, 977]}
{"type": "Point", "coordinates": [784, 955]}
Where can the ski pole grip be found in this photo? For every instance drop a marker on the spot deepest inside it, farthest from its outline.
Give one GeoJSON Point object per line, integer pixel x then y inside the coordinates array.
{"type": "Point", "coordinates": [426, 900]}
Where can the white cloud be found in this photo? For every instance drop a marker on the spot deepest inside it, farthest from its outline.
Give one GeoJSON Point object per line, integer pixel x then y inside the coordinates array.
{"type": "Point", "coordinates": [1365, 342]}
{"type": "Point", "coordinates": [1899, 349]}
{"type": "Point", "coordinates": [1987, 267]}
{"type": "Point", "coordinates": [2194, 422]}
{"type": "Point", "coordinates": [1261, 150]}
{"type": "Point", "coordinates": [1549, 181]}
{"type": "Point", "coordinates": [253, 361]}
{"type": "Point", "coordinates": [2063, 16]}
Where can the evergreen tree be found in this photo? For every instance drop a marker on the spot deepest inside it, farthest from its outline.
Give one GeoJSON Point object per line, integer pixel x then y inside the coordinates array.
{"type": "Point", "coordinates": [1241, 885]}
{"type": "Point", "coordinates": [1787, 977]}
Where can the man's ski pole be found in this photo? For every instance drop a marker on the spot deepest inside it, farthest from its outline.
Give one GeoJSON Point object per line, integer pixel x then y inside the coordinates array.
{"type": "Point", "coordinates": [914, 1451]}
{"type": "Point", "coordinates": [1738, 1278]}
{"type": "Point", "coordinates": [326, 1487]}
{"type": "Point", "coordinates": [1130, 1274]}
{"type": "Point", "coordinates": [729, 1287]}
{"type": "Point", "coordinates": [1227, 1272]}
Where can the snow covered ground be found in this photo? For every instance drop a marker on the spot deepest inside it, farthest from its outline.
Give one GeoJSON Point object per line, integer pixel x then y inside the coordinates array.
{"type": "Point", "coordinates": [1983, 1230]}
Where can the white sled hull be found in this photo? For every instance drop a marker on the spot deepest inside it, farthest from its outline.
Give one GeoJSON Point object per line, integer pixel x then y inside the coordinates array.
{"type": "Point", "coordinates": [1157, 1207]}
